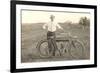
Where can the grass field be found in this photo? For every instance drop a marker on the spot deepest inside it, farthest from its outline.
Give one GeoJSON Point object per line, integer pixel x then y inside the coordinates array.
{"type": "Point", "coordinates": [32, 33]}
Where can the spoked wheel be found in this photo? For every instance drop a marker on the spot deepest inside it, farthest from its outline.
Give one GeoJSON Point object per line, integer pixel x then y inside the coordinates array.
{"type": "Point", "coordinates": [76, 50]}
{"type": "Point", "coordinates": [43, 49]}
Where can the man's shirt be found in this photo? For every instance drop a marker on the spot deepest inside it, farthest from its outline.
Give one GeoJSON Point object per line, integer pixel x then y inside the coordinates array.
{"type": "Point", "coordinates": [52, 26]}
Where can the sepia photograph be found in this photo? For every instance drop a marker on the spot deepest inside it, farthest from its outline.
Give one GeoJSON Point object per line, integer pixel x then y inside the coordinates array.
{"type": "Point", "coordinates": [54, 36]}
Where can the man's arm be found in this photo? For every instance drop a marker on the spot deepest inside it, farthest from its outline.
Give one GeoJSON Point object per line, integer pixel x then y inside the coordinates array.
{"type": "Point", "coordinates": [44, 26]}
{"type": "Point", "coordinates": [59, 26]}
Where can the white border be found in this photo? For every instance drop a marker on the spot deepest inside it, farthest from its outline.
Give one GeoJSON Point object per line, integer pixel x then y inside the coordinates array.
{"type": "Point", "coordinates": [20, 65]}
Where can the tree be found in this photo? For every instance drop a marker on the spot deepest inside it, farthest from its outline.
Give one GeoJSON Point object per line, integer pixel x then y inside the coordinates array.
{"type": "Point", "coordinates": [84, 21]}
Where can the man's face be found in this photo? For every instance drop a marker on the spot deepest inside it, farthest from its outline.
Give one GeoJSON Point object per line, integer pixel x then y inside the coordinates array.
{"type": "Point", "coordinates": [52, 19]}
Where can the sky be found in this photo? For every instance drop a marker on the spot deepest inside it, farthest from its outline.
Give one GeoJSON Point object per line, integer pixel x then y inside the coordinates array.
{"type": "Point", "coordinates": [44, 16]}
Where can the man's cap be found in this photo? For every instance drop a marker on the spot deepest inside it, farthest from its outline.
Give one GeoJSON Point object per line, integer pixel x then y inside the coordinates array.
{"type": "Point", "coordinates": [52, 16]}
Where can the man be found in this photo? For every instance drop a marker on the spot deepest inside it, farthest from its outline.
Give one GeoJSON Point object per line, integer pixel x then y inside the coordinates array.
{"type": "Point", "coordinates": [51, 37]}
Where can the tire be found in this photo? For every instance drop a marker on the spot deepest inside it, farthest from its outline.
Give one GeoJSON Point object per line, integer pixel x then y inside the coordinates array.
{"type": "Point", "coordinates": [76, 49]}
{"type": "Point", "coordinates": [43, 49]}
